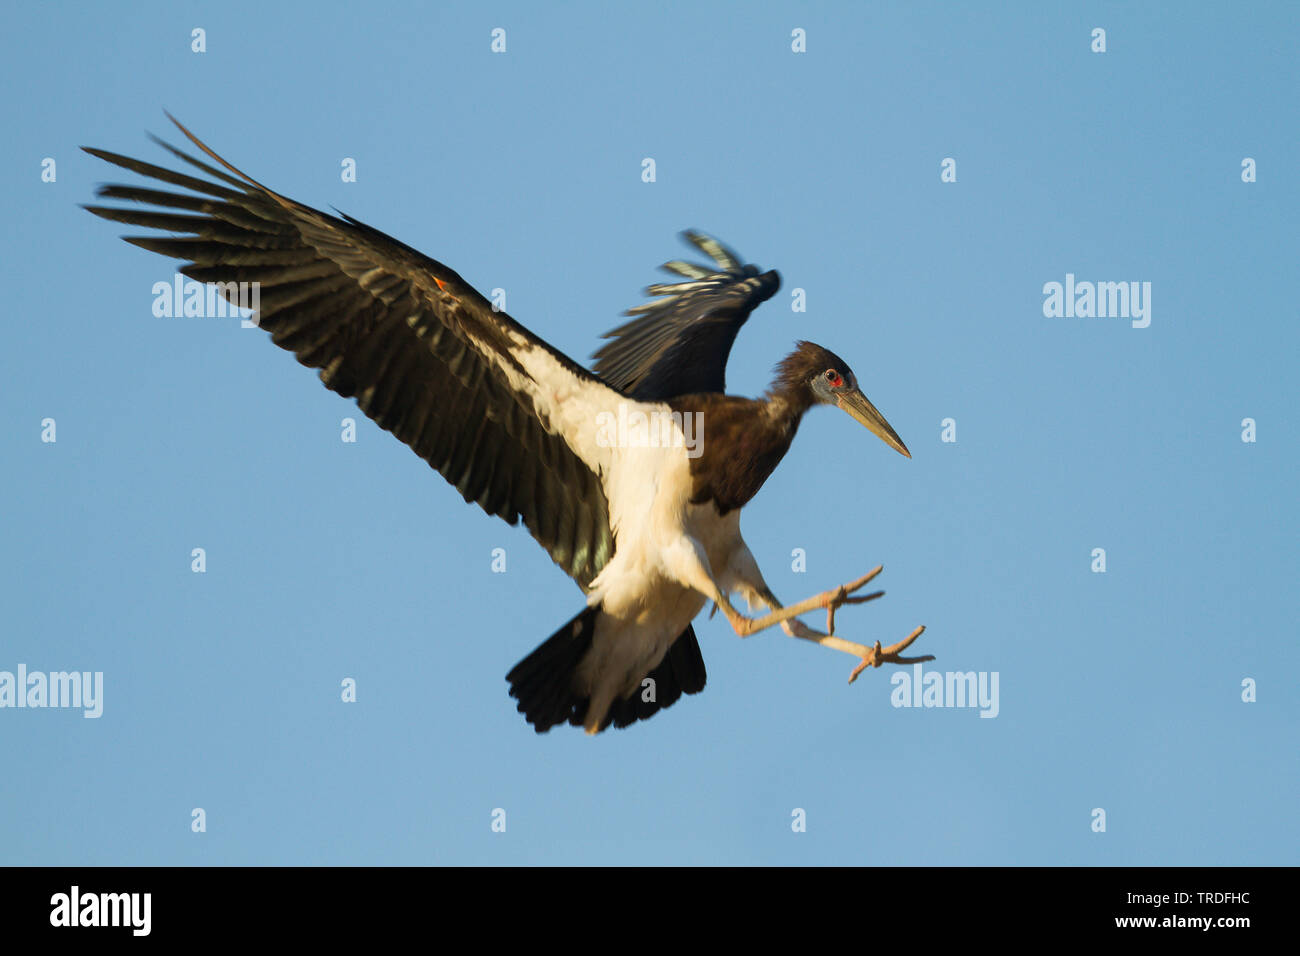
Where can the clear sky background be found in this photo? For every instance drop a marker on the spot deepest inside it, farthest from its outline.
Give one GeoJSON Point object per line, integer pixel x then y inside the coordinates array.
{"type": "Point", "coordinates": [522, 170]}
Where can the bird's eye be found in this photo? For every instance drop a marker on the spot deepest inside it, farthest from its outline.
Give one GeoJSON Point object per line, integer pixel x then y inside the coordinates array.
{"type": "Point", "coordinates": [833, 378]}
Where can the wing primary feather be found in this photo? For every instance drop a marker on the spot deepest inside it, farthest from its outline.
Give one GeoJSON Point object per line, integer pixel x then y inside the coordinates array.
{"type": "Point", "coordinates": [421, 351]}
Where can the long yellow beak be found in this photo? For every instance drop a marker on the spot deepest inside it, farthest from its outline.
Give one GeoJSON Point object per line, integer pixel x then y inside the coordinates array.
{"type": "Point", "coordinates": [856, 404]}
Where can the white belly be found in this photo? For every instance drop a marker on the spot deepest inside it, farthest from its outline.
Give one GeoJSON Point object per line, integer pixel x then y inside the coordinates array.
{"type": "Point", "coordinates": [645, 605]}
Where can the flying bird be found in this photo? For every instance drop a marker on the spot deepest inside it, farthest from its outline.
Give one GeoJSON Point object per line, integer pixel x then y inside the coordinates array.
{"type": "Point", "coordinates": [632, 476]}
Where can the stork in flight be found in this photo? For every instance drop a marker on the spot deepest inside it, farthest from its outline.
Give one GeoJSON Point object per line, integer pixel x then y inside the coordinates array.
{"type": "Point", "coordinates": [649, 530]}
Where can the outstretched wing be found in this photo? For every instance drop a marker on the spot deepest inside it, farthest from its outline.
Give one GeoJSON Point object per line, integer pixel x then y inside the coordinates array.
{"type": "Point", "coordinates": [499, 413]}
{"type": "Point", "coordinates": [678, 344]}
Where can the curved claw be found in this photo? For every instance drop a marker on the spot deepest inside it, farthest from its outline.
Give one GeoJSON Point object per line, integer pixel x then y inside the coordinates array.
{"type": "Point", "coordinates": [839, 599]}
{"type": "Point", "coordinates": [890, 655]}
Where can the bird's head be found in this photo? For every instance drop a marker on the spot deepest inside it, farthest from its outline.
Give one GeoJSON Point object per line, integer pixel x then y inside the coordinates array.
{"type": "Point", "coordinates": [818, 376]}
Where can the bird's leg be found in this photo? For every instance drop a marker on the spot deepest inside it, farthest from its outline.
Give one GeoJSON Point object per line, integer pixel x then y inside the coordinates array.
{"type": "Point", "coordinates": [870, 656]}
{"type": "Point", "coordinates": [749, 581]}
{"type": "Point", "coordinates": [830, 600]}
{"type": "Point", "coordinates": [746, 578]}
{"type": "Point", "coordinates": [690, 565]}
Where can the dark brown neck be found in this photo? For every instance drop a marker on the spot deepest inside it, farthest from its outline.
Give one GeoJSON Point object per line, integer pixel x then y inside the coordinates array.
{"type": "Point", "coordinates": [744, 439]}
{"type": "Point", "coordinates": [787, 401]}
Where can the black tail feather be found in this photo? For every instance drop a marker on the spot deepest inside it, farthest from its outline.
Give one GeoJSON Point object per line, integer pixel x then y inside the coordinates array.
{"type": "Point", "coordinates": [681, 671]}
{"type": "Point", "coordinates": [543, 681]}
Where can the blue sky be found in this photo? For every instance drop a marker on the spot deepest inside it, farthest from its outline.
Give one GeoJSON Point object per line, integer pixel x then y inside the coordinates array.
{"type": "Point", "coordinates": [1119, 691]}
